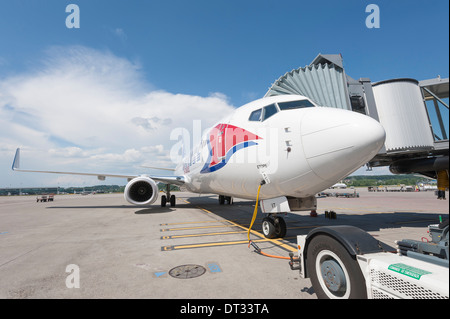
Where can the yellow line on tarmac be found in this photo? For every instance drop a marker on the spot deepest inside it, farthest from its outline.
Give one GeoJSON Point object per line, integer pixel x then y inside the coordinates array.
{"type": "Point", "coordinates": [201, 222]}
{"type": "Point", "coordinates": [222, 233]}
{"type": "Point", "coordinates": [258, 234]}
{"type": "Point", "coordinates": [175, 247]}
{"type": "Point", "coordinates": [185, 223]}
{"type": "Point", "coordinates": [223, 225]}
{"type": "Point", "coordinates": [202, 235]}
{"type": "Point", "coordinates": [197, 227]}
{"type": "Point", "coordinates": [215, 244]}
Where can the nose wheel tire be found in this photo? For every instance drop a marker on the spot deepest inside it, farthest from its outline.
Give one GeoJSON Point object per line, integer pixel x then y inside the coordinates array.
{"type": "Point", "coordinates": [274, 227]}
{"type": "Point", "coordinates": [335, 274]}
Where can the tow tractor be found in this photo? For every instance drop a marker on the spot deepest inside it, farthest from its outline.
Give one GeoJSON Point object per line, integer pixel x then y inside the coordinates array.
{"type": "Point", "coordinates": [45, 198]}
{"type": "Point", "coordinates": [345, 262]}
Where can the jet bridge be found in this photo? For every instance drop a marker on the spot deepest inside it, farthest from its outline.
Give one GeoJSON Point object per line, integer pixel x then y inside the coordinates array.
{"type": "Point", "coordinates": [414, 113]}
{"type": "Point", "coordinates": [323, 81]}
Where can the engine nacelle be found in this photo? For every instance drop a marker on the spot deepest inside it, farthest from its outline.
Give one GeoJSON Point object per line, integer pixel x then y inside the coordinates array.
{"type": "Point", "coordinates": [141, 190]}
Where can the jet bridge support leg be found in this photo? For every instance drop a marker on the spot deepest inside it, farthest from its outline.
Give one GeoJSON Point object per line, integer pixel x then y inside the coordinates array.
{"type": "Point", "coordinates": [442, 181]}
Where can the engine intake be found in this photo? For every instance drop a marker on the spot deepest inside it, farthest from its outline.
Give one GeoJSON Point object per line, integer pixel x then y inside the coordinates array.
{"type": "Point", "coordinates": [141, 191]}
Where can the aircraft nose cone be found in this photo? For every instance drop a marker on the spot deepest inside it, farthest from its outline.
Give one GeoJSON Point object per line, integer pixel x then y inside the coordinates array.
{"type": "Point", "coordinates": [337, 142]}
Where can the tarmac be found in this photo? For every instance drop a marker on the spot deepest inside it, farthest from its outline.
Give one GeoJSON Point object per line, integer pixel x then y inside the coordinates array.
{"type": "Point", "coordinates": [99, 246]}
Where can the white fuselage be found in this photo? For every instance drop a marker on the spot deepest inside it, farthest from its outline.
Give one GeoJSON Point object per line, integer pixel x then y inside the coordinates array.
{"type": "Point", "coordinates": [302, 151]}
{"type": "Point", "coordinates": [295, 146]}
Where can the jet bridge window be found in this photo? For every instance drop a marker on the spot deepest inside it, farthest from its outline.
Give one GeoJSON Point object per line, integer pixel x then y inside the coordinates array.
{"type": "Point", "coordinates": [295, 105]}
{"type": "Point", "coordinates": [263, 114]}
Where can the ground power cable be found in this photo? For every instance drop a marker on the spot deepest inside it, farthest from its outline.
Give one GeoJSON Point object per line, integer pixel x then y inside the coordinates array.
{"type": "Point", "coordinates": [250, 242]}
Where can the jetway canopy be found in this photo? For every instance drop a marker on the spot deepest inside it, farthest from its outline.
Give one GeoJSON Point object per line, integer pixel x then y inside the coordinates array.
{"type": "Point", "coordinates": [435, 88]}
{"type": "Point", "coordinates": [323, 81]}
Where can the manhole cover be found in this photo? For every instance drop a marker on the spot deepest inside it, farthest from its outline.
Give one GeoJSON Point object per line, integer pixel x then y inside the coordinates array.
{"type": "Point", "coordinates": [187, 271]}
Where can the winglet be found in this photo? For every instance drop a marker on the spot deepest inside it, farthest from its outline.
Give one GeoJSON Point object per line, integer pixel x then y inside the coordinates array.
{"type": "Point", "coordinates": [16, 162]}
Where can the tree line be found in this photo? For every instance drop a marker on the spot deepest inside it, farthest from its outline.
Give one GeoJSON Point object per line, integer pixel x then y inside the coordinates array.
{"type": "Point", "coordinates": [382, 180]}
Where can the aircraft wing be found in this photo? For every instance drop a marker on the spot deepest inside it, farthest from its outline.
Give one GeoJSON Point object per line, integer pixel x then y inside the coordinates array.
{"type": "Point", "coordinates": [176, 180]}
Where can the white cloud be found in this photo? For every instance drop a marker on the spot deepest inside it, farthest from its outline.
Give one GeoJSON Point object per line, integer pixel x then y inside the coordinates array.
{"type": "Point", "coordinates": [87, 110]}
{"type": "Point", "coordinates": [120, 33]}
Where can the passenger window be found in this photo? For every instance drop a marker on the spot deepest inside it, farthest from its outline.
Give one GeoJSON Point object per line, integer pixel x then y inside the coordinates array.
{"type": "Point", "coordinates": [255, 116]}
{"type": "Point", "coordinates": [295, 105]}
{"type": "Point", "coordinates": [269, 111]}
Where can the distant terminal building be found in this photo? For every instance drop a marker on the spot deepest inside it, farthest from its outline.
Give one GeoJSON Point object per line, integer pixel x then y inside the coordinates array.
{"type": "Point", "coordinates": [28, 191]}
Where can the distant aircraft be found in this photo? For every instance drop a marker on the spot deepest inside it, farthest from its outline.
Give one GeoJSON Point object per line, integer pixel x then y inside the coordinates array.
{"type": "Point", "coordinates": [295, 146]}
{"type": "Point", "coordinates": [339, 185]}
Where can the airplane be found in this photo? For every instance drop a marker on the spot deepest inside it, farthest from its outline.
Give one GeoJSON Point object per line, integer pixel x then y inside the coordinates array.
{"type": "Point", "coordinates": [287, 143]}
{"type": "Point", "coordinates": [339, 185]}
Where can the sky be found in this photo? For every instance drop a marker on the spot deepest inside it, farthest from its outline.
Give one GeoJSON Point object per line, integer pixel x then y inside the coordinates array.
{"type": "Point", "coordinates": [106, 96]}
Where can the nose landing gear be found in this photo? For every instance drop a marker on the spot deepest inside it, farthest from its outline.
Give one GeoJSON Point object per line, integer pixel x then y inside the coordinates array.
{"type": "Point", "coordinates": [274, 226]}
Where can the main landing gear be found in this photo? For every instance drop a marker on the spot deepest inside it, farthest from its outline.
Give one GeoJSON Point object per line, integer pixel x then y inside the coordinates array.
{"type": "Point", "coordinates": [274, 226]}
{"type": "Point", "coordinates": [223, 198]}
{"type": "Point", "coordinates": [168, 198]}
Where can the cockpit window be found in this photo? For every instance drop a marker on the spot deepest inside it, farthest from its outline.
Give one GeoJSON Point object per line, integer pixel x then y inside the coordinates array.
{"type": "Point", "coordinates": [263, 114]}
{"type": "Point", "coordinates": [255, 116]}
{"type": "Point", "coordinates": [295, 105]}
{"type": "Point", "coordinates": [269, 111]}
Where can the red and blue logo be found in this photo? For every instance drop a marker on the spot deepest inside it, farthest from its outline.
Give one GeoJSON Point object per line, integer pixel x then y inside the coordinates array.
{"type": "Point", "coordinates": [224, 141]}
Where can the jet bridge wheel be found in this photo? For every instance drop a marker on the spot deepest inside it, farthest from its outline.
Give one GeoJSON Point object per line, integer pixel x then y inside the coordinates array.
{"type": "Point", "coordinates": [334, 273]}
{"type": "Point", "coordinates": [274, 227]}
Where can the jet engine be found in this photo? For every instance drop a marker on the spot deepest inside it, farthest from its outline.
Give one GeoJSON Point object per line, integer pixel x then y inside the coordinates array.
{"type": "Point", "coordinates": [141, 190]}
